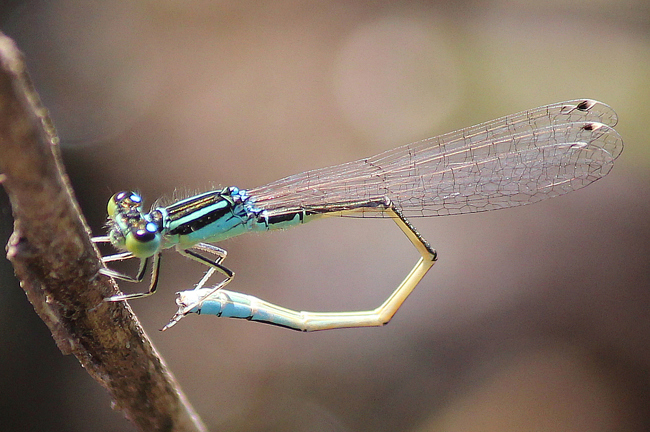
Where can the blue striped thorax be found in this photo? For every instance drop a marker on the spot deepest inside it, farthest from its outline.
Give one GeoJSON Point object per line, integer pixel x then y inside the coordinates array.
{"type": "Point", "coordinates": [210, 216]}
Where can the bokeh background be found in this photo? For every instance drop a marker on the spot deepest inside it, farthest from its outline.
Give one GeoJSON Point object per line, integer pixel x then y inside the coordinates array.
{"type": "Point", "coordinates": [535, 318]}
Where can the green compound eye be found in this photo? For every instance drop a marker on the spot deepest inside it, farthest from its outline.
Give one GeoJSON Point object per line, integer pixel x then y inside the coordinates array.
{"type": "Point", "coordinates": [124, 201]}
{"type": "Point", "coordinates": [111, 207]}
{"type": "Point", "coordinates": [144, 241]}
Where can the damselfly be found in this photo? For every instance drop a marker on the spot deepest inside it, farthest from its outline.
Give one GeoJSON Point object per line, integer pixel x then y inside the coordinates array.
{"type": "Point", "coordinates": [515, 160]}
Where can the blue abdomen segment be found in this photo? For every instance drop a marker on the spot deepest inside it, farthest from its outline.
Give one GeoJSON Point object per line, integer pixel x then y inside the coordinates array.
{"type": "Point", "coordinates": [231, 304]}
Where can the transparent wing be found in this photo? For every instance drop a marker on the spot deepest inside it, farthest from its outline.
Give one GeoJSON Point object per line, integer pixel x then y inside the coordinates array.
{"type": "Point", "coordinates": [514, 160]}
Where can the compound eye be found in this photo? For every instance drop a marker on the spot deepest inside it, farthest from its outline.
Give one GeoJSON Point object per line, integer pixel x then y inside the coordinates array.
{"type": "Point", "coordinates": [125, 200]}
{"type": "Point", "coordinates": [147, 233]}
{"type": "Point", "coordinates": [129, 198]}
{"type": "Point", "coordinates": [144, 241]}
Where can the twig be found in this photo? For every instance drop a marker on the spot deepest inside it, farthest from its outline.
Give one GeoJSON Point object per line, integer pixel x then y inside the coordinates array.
{"type": "Point", "coordinates": [57, 265]}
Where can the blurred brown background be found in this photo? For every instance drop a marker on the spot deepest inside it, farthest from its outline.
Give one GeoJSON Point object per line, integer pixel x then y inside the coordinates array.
{"type": "Point", "coordinates": [535, 318]}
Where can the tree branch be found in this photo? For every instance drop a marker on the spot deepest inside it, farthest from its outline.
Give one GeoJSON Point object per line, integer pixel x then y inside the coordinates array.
{"type": "Point", "coordinates": [58, 265]}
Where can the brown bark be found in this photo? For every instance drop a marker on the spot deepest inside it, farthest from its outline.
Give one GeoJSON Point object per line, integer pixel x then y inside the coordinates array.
{"type": "Point", "coordinates": [58, 265]}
